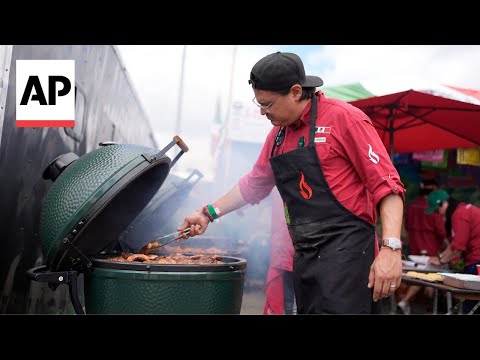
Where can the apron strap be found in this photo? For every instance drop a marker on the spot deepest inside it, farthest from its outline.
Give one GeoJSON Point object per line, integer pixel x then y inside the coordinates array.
{"type": "Point", "coordinates": [313, 118]}
{"type": "Point", "coordinates": [278, 139]}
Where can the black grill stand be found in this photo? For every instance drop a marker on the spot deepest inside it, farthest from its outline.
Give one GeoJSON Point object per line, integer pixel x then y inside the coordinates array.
{"type": "Point", "coordinates": [54, 279]}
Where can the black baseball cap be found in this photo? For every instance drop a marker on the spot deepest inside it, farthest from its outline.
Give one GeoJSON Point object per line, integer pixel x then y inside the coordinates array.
{"type": "Point", "coordinates": [279, 71]}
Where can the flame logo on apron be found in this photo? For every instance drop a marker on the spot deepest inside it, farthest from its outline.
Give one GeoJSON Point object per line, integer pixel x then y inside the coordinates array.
{"type": "Point", "coordinates": [305, 190]}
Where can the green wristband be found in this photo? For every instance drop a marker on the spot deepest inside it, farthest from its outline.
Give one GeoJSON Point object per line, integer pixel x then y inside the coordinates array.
{"type": "Point", "coordinates": [212, 211]}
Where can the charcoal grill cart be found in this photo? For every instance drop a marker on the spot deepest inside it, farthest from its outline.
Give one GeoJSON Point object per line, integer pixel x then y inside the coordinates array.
{"type": "Point", "coordinates": [91, 202]}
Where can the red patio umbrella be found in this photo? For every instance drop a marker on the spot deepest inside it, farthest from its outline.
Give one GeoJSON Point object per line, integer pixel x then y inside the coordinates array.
{"type": "Point", "coordinates": [411, 121]}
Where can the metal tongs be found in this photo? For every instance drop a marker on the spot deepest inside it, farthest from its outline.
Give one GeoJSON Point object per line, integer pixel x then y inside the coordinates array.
{"type": "Point", "coordinates": [178, 236]}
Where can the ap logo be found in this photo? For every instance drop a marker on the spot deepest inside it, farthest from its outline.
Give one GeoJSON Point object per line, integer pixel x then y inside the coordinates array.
{"type": "Point", "coordinates": [45, 92]}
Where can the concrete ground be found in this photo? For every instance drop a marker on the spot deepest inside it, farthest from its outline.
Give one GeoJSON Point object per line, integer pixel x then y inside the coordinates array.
{"type": "Point", "coordinates": [253, 300]}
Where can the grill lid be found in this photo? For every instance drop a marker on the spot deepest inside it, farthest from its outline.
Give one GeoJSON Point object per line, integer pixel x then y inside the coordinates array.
{"type": "Point", "coordinates": [95, 197]}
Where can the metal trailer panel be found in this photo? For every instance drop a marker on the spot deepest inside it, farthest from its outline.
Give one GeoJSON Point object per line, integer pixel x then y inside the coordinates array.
{"type": "Point", "coordinates": [5, 59]}
{"type": "Point", "coordinates": [107, 109]}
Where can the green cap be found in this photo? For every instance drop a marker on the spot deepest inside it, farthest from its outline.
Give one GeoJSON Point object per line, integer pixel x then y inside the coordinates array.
{"type": "Point", "coordinates": [434, 199]}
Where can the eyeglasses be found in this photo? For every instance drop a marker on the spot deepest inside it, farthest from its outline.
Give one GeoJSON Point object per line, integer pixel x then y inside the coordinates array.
{"type": "Point", "coordinates": [264, 107]}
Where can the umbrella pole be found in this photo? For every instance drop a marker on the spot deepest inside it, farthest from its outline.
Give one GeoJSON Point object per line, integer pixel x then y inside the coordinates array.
{"type": "Point", "coordinates": [391, 145]}
{"type": "Point", "coordinates": [390, 131]}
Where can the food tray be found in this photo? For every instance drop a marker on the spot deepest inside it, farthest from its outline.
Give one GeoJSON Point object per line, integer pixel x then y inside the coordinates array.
{"type": "Point", "coordinates": [430, 277]}
{"type": "Point", "coordinates": [462, 281]}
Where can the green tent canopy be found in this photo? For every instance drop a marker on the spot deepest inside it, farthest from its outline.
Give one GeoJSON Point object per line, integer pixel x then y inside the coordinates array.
{"type": "Point", "coordinates": [347, 92]}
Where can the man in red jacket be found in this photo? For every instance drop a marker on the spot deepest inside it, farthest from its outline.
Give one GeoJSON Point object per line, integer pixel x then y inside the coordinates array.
{"type": "Point", "coordinates": [462, 225]}
{"type": "Point", "coordinates": [334, 176]}
{"type": "Point", "coordinates": [426, 235]}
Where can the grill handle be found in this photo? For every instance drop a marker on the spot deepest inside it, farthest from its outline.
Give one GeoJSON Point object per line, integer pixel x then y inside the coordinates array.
{"type": "Point", "coordinates": [54, 279]}
{"type": "Point", "coordinates": [41, 275]}
{"type": "Point", "coordinates": [177, 140]}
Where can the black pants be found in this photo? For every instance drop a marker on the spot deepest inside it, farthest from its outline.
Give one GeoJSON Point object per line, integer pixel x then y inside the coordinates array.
{"type": "Point", "coordinates": [289, 304]}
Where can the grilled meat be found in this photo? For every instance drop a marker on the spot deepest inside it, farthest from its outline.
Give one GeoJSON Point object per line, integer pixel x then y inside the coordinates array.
{"type": "Point", "coordinates": [168, 259]}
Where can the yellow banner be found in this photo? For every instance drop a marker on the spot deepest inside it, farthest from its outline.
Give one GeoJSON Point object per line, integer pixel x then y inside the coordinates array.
{"type": "Point", "coordinates": [469, 156]}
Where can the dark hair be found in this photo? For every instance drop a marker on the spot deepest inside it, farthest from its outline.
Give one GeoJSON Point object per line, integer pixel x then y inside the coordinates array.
{"type": "Point", "coordinates": [307, 93]}
{"type": "Point", "coordinates": [427, 186]}
{"type": "Point", "coordinates": [424, 192]}
{"type": "Point", "coordinates": [452, 206]}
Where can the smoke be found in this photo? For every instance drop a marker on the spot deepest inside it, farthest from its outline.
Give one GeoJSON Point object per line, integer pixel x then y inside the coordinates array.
{"type": "Point", "coordinates": [244, 233]}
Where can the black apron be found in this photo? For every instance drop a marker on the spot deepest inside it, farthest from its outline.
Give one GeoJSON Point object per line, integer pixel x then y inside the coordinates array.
{"type": "Point", "coordinates": [334, 248]}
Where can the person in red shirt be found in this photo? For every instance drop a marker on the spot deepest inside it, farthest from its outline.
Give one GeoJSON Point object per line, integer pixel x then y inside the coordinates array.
{"type": "Point", "coordinates": [426, 235]}
{"type": "Point", "coordinates": [333, 174]}
{"type": "Point", "coordinates": [462, 224]}
{"type": "Point", "coordinates": [279, 292]}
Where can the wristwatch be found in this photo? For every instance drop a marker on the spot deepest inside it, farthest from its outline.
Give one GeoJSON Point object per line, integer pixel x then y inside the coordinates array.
{"type": "Point", "coordinates": [392, 243]}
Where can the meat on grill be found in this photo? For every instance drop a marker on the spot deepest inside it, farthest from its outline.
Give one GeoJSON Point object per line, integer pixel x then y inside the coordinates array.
{"type": "Point", "coordinates": [140, 257]}
{"type": "Point", "coordinates": [168, 259]}
{"type": "Point", "coordinates": [152, 245]}
{"type": "Point", "coordinates": [181, 249]}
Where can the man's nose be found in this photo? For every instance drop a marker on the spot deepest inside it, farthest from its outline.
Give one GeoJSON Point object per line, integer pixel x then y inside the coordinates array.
{"type": "Point", "coordinates": [263, 111]}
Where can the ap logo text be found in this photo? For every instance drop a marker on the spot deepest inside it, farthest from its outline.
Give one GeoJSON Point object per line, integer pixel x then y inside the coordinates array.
{"type": "Point", "coordinates": [45, 91]}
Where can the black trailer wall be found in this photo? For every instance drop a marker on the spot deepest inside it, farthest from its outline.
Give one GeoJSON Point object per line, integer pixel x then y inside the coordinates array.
{"type": "Point", "coordinates": [107, 109]}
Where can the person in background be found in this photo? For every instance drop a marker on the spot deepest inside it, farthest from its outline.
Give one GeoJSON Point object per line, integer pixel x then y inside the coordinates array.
{"type": "Point", "coordinates": [462, 225]}
{"type": "Point", "coordinates": [333, 174]}
{"type": "Point", "coordinates": [279, 292]}
{"type": "Point", "coordinates": [426, 235]}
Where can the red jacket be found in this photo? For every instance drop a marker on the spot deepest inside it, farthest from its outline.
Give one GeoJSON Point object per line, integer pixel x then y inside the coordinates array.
{"type": "Point", "coordinates": [466, 232]}
{"type": "Point", "coordinates": [354, 160]}
{"type": "Point", "coordinates": [425, 232]}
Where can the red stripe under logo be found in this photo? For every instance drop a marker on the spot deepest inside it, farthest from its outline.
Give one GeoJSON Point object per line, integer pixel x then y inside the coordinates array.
{"type": "Point", "coordinates": [46, 123]}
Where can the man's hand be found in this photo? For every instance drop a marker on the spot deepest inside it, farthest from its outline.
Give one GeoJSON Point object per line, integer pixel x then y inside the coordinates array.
{"type": "Point", "coordinates": [434, 260]}
{"type": "Point", "coordinates": [197, 222]}
{"type": "Point", "coordinates": [385, 273]}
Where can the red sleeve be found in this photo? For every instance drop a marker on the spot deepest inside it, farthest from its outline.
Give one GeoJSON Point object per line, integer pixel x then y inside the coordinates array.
{"type": "Point", "coordinates": [371, 160]}
{"type": "Point", "coordinates": [257, 184]}
{"type": "Point", "coordinates": [460, 229]}
{"type": "Point", "coordinates": [439, 226]}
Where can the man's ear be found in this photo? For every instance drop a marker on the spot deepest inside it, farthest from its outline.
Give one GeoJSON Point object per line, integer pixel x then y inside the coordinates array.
{"type": "Point", "coordinates": [296, 91]}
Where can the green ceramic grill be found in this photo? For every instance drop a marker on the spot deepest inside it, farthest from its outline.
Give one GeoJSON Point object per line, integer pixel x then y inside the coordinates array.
{"type": "Point", "coordinates": [93, 199]}
{"type": "Point", "coordinates": [137, 288]}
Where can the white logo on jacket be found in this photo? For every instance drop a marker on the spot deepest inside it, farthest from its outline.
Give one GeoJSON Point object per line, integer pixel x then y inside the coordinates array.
{"type": "Point", "coordinates": [374, 158]}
